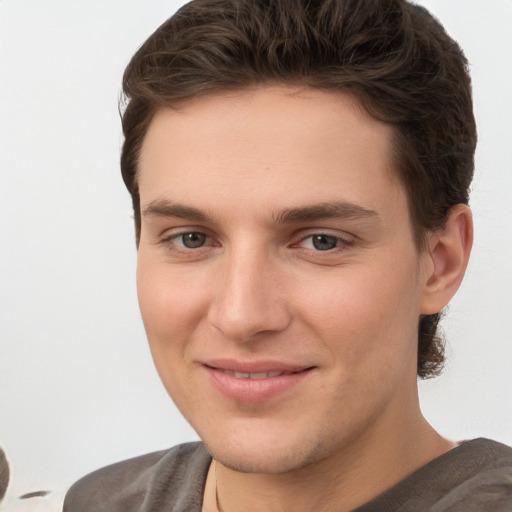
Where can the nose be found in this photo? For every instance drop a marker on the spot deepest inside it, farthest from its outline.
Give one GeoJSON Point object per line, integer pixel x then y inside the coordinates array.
{"type": "Point", "coordinates": [250, 298]}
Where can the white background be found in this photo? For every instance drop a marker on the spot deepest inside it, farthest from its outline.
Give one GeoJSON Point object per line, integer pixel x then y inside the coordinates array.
{"type": "Point", "coordinates": [77, 385]}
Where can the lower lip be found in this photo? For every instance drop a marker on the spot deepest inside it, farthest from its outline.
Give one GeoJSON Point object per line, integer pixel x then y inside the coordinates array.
{"type": "Point", "coordinates": [254, 390]}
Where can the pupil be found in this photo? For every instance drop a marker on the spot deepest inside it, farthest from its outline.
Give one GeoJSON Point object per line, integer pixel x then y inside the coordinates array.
{"type": "Point", "coordinates": [193, 240]}
{"type": "Point", "coordinates": [324, 242]}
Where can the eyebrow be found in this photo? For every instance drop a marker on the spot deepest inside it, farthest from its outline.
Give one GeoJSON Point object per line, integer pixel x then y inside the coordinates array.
{"type": "Point", "coordinates": [330, 210]}
{"type": "Point", "coordinates": [165, 208]}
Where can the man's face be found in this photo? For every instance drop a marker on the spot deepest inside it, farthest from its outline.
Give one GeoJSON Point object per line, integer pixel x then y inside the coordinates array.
{"type": "Point", "coordinates": [278, 278]}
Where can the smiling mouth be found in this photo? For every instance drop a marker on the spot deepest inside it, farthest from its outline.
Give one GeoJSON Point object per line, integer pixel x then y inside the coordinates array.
{"type": "Point", "coordinates": [256, 375]}
{"type": "Point", "coordinates": [254, 382]}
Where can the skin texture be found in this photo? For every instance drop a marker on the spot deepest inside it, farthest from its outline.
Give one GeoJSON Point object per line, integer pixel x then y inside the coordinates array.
{"type": "Point", "coordinates": [243, 170]}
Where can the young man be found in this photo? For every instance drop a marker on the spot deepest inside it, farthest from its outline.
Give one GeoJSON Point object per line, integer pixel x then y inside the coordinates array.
{"type": "Point", "coordinates": [299, 173]}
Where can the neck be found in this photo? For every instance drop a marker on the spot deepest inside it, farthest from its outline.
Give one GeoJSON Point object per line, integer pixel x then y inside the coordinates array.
{"type": "Point", "coordinates": [353, 476]}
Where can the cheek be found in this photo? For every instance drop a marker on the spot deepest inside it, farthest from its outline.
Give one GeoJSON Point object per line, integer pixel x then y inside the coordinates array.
{"type": "Point", "coordinates": [168, 299]}
{"type": "Point", "coordinates": [369, 316]}
{"type": "Point", "coordinates": [171, 306]}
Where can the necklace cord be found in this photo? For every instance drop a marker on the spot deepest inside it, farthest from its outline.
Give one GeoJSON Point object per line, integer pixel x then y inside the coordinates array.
{"type": "Point", "coordinates": [217, 504]}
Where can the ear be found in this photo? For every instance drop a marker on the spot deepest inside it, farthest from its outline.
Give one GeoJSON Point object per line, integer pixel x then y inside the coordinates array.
{"type": "Point", "coordinates": [447, 258]}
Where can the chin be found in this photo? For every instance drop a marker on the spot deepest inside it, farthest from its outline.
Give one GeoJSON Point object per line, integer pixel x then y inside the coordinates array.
{"type": "Point", "coordinates": [269, 458]}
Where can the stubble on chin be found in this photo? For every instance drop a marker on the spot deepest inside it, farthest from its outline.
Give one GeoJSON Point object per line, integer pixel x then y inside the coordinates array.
{"type": "Point", "coordinates": [272, 460]}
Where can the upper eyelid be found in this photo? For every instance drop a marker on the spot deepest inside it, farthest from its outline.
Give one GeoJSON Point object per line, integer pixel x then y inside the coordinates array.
{"type": "Point", "coordinates": [183, 230]}
{"type": "Point", "coordinates": [306, 233]}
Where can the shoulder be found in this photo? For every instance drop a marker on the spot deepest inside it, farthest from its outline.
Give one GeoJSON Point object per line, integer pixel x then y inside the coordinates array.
{"type": "Point", "coordinates": [170, 479]}
{"type": "Point", "coordinates": [475, 476]}
{"type": "Point", "coordinates": [481, 476]}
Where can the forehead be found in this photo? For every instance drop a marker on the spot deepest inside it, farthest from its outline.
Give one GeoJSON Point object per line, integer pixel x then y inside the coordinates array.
{"type": "Point", "coordinates": [270, 146]}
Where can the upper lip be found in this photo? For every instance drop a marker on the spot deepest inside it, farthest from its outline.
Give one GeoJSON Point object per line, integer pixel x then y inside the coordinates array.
{"type": "Point", "coordinates": [254, 366]}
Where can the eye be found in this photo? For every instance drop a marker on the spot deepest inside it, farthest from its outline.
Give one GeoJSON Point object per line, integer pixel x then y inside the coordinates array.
{"type": "Point", "coordinates": [192, 240]}
{"type": "Point", "coordinates": [324, 242]}
{"type": "Point", "coordinates": [188, 244]}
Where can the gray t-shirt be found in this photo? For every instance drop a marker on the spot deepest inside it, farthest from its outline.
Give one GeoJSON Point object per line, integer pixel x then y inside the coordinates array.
{"type": "Point", "coordinates": [474, 477]}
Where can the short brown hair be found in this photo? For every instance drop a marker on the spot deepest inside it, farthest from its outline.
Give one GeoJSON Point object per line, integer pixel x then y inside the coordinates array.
{"type": "Point", "coordinates": [393, 55]}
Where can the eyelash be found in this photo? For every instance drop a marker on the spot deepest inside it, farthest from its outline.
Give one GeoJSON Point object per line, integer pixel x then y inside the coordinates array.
{"type": "Point", "coordinates": [342, 243]}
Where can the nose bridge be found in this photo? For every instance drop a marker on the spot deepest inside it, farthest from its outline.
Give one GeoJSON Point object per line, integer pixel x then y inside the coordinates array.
{"type": "Point", "coordinates": [248, 300]}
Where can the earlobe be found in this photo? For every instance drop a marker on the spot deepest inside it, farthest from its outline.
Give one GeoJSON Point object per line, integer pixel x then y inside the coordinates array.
{"type": "Point", "coordinates": [448, 253]}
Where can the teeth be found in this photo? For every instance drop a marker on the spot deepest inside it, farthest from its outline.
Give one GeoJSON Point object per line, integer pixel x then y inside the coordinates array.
{"type": "Point", "coordinates": [264, 375]}
{"type": "Point", "coordinates": [276, 374]}
{"type": "Point", "coordinates": [258, 375]}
